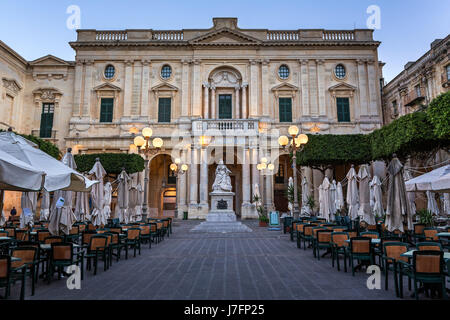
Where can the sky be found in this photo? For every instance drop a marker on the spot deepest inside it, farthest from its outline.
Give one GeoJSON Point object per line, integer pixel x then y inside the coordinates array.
{"type": "Point", "coordinates": [37, 28]}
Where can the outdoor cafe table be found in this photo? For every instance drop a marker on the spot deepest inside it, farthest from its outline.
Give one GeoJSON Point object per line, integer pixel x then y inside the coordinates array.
{"type": "Point", "coordinates": [443, 234]}
{"type": "Point", "coordinates": [5, 238]}
{"type": "Point", "coordinates": [409, 254]}
{"type": "Point", "coordinates": [372, 241]}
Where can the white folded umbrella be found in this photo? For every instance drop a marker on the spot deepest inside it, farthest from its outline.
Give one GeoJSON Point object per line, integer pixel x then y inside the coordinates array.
{"type": "Point", "coordinates": [306, 210]}
{"type": "Point", "coordinates": [432, 204]}
{"type": "Point", "coordinates": [352, 194]}
{"type": "Point", "coordinates": [436, 180]}
{"type": "Point", "coordinates": [58, 175]}
{"type": "Point", "coordinates": [28, 202]}
{"type": "Point", "coordinates": [107, 197]}
{"type": "Point", "coordinates": [339, 197]}
{"type": "Point", "coordinates": [98, 217]}
{"type": "Point", "coordinates": [378, 197]}
{"type": "Point", "coordinates": [45, 206]}
{"type": "Point", "coordinates": [365, 211]}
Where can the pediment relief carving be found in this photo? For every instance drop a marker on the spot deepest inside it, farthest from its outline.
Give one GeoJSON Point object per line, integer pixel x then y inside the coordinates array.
{"type": "Point", "coordinates": [49, 60]}
{"type": "Point", "coordinates": [49, 95]}
{"type": "Point", "coordinates": [12, 86]}
{"type": "Point", "coordinates": [225, 78]}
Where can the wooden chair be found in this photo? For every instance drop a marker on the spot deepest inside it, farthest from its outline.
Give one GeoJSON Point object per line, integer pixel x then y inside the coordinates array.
{"type": "Point", "coordinates": [360, 249]}
{"type": "Point", "coordinates": [6, 279]}
{"type": "Point", "coordinates": [392, 254]}
{"type": "Point", "coordinates": [42, 234]}
{"type": "Point", "coordinates": [98, 246]}
{"type": "Point", "coordinates": [146, 234]}
{"type": "Point", "coordinates": [323, 241]}
{"type": "Point", "coordinates": [29, 260]}
{"type": "Point", "coordinates": [133, 240]}
{"type": "Point", "coordinates": [61, 256]}
{"type": "Point", "coordinates": [339, 246]}
{"type": "Point", "coordinates": [428, 245]}
{"type": "Point", "coordinates": [431, 234]}
{"type": "Point", "coordinates": [53, 239]}
{"type": "Point", "coordinates": [418, 234]}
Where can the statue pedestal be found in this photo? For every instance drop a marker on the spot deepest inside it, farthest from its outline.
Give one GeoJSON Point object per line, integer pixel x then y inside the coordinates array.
{"type": "Point", "coordinates": [221, 217]}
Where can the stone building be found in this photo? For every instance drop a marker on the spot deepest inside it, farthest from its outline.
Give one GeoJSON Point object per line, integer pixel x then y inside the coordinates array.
{"type": "Point", "coordinates": [420, 82]}
{"type": "Point", "coordinates": [222, 92]}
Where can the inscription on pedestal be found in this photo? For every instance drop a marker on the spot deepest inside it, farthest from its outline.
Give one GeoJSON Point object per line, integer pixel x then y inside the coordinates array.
{"type": "Point", "coordinates": [222, 205]}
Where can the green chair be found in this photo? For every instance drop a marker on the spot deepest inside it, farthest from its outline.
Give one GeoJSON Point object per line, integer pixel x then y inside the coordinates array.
{"type": "Point", "coordinates": [6, 278]}
{"type": "Point", "coordinates": [361, 250]}
{"type": "Point", "coordinates": [61, 256]}
{"type": "Point", "coordinates": [339, 246]}
{"type": "Point", "coordinates": [299, 229]}
{"type": "Point", "coordinates": [323, 241]}
{"type": "Point", "coordinates": [429, 245]}
{"type": "Point", "coordinates": [98, 247]}
{"type": "Point", "coordinates": [133, 240]}
{"type": "Point", "coordinates": [417, 233]}
{"type": "Point", "coordinates": [29, 261]}
{"type": "Point", "coordinates": [427, 267]}
{"type": "Point", "coordinates": [392, 254]}
{"type": "Point", "coordinates": [307, 235]}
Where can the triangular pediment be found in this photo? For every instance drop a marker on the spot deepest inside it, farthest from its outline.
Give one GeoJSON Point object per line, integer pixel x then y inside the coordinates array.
{"type": "Point", "coordinates": [107, 86]}
{"type": "Point", "coordinates": [11, 84]}
{"type": "Point", "coordinates": [49, 60]}
{"type": "Point", "coordinates": [285, 87]}
{"type": "Point", "coordinates": [224, 36]}
{"type": "Point", "coordinates": [164, 87]}
{"type": "Point", "coordinates": [342, 87]}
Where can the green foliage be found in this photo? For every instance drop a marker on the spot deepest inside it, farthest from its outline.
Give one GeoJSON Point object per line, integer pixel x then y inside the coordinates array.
{"type": "Point", "coordinates": [425, 216]}
{"type": "Point", "coordinates": [46, 146]}
{"type": "Point", "coordinates": [290, 193]}
{"type": "Point", "coordinates": [262, 213]}
{"type": "Point", "coordinates": [112, 162]}
{"type": "Point", "coordinates": [311, 203]}
{"type": "Point", "coordinates": [406, 136]}
{"type": "Point", "coordinates": [438, 113]}
{"type": "Point", "coordinates": [330, 149]}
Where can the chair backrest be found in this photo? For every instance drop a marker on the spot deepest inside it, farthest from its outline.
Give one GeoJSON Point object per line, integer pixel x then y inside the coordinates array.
{"type": "Point", "coordinates": [22, 235]}
{"type": "Point", "coordinates": [165, 223]}
{"type": "Point", "coordinates": [339, 229]}
{"type": "Point", "coordinates": [308, 230]}
{"type": "Point", "coordinates": [418, 228]}
{"type": "Point", "coordinates": [11, 231]}
{"type": "Point", "coordinates": [109, 237]}
{"type": "Point", "coordinates": [394, 250]}
{"type": "Point", "coordinates": [102, 231]}
{"type": "Point", "coordinates": [315, 229]}
{"type": "Point", "coordinates": [370, 234]}
{"type": "Point", "coordinates": [98, 242]}
{"type": "Point", "coordinates": [431, 234]}
{"type": "Point", "coordinates": [153, 227]}
{"type": "Point", "coordinates": [5, 266]}
{"type": "Point", "coordinates": [81, 227]}
{"type": "Point", "coordinates": [53, 239]}
{"type": "Point", "coordinates": [352, 233]}
{"type": "Point", "coordinates": [90, 227]}
{"type": "Point", "coordinates": [428, 262]}
{"type": "Point", "coordinates": [159, 224]}
{"type": "Point", "coordinates": [3, 234]}
{"type": "Point", "coordinates": [116, 229]}
{"type": "Point", "coordinates": [428, 245]}
{"type": "Point", "coordinates": [133, 233]}
{"type": "Point", "coordinates": [338, 238]}
{"type": "Point", "coordinates": [26, 255]}
{"type": "Point", "coordinates": [360, 245]}
{"type": "Point", "coordinates": [324, 236]}
{"type": "Point", "coordinates": [145, 229]}
{"type": "Point", "coordinates": [87, 236]}
{"type": "Point", "coordinates": [372, 227]}
{"type": "Point", "coordinates": [62, 251]}
{"type": "Point", "coordinates": [115, 237]}
{"type": "Point", "coordinates": [42, 234]}
{"type": "Point", "coordinates": [74, 230]}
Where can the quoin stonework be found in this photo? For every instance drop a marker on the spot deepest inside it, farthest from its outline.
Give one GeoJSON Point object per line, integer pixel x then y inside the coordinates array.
{"type": "Point", "coordinates": [240, 88]}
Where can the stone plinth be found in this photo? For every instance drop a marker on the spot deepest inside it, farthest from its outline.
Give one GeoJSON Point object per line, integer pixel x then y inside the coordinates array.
{"type": "Point", "coordinates": [221, 217]}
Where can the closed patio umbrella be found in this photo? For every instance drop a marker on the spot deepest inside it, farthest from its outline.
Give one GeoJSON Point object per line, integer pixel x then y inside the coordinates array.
{"type": "Point", "coordinates": [352, 194]}
{"type": "Point", "coordinates": [437, 180]}
{"type": "Point", "coordinates": [321, 208]}
{"type": "Point", "coordinates": [431, 203]}
{"type": "Point", "coordinates": [257, 195]}
{"type": "Point", "coordinates": [339, 197]}
{"type": "Point", "coordinates": [306, 210]}
{"type": "Point", "coordinates": [107, 195]}
{"type": "Point", "coordinates": [140, 202]}
{"type": "Point", "coordinates": [365, 211]}
{"type": "Point", "coordinates": [446, 204]}
{"type": "Point", "coordinates": [326, 199]}
{"type": "Point", "coordinates": [45, 206]}
{"type": "Point", "coordinates": [132, 203]}
{"type": "Point", "coordinates": [98, 215]}
{"type": "Point", "coordinates": [62, 217]}
{"type": "Point", "coordinates": [378, 197]}
{"type": "Point", "coordinates": [28, 203]}
{"type": "Point", "coordinates": [398, 211]}
{"type": "Point", "coordinates": [82, 206]}
{"type": "Point", "coordinates": [122, 196]}
{"type": "Point", "coordinates": [333, 200]}
{"type": "Point", "coordinates": [290, 204]}
{"type": "Point", "coordinates": [411, 195]}
{"type": "Point", "coordinates": [2, 214]}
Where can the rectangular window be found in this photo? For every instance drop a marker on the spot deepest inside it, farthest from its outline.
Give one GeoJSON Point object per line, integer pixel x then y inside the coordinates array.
{"type": "Point", "coordinates": [448, 72]}
{"type": "Point", "coordinates": [343, 109]}
{"type": "Point", "coordinates": [164, 107]}
{"type": "Point", "coordinates": [225, 106]}
{"type": "Point", "coordinates": [285, 107]}
{"type": "Point", "coordinates": [394, 107]}
{"type": "Point", "coordinates": [417, 88]}
{"type": "Point", "coordinates": [48, 110]}
{"type": "Point", "coordinates": [106, 109]}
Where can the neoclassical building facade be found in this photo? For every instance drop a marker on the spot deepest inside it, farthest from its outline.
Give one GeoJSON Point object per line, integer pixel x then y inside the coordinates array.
{"type": "Point", "coordinates": [222, 92]}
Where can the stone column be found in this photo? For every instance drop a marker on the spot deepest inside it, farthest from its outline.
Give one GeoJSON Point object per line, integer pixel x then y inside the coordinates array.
{"type": "Point", "coordinates": [128, 88]}
{"type": "Point", "coordinates": [269, 190]}
{"type": "Point", "coordinates": [362, 86]}
{"type": "Point", "coordinates": [206, 100]}
{"type": "Point", "coordinates": [77, 104]}
{"type": "Point", "coordinates": [373, 88]}
{"type": "Point", "coordinates": [213, 102]}
{"type": "Point", "coordinates": [246, 177]}
{"type": "Point", "coordinates": [265, 88]}
{"type": "Point", "coordinates": [238, 104]}
{"type": "Point", "coordinates": [255, 171]}
{"type": "Point", "coordinates": [182, 182]}
{"type": "Point", "coordinates": [87, 88]}
{"type": "Point", "coordinates": [145, 107]}
{"type": "Point", "coordinates": [185, 89]}
{"type": "Point", "coordinates": [244, 101]}
{"type": "Point", "coordinates": [304, 86]}
{"type": "Point", "coordinates": [312, 70]}
{"type": "Point", "coordinates": [196, 90]}
{"type": "Point", "coordinates": [136, 89]}
{"type": "Point", "coordinates": [253, 89]}
{"type": "Point", "coordinates": [204, 178]}
{"type": "Point", "coordinates": [193, 180]}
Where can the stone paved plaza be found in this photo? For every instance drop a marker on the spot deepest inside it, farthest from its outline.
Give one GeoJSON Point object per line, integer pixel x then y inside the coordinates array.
{"type": "Point", "coordinates": [258, 265]}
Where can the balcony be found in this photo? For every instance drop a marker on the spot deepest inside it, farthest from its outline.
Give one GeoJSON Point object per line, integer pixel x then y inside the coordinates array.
{"type": "Point", "coordinates": [445, 80]}
{"type": "Point", "coordinates": [414, 97]}
{"type": "Point", "coordinates": [225, 127]}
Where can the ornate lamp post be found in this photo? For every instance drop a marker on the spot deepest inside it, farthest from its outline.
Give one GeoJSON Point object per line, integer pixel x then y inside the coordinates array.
{"type": "Point", "coordinates": [265, 168]}
{"type": "Point", "coordinates": [297, 143]}
{"type": "Point", "coordinates": [178, 169]}
{"type": "Point", "coordinates": [143, 145]}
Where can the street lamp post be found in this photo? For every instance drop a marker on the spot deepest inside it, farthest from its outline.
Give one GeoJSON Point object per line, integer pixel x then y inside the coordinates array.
{"type": "Point", "coordinates": [178, 170]}
{"type": "Point", "coordinates": [265, 168]}
{"type": "Point", "coordinates": [143, 145]}
{"type": "Point", "coordinates": [297, 144]}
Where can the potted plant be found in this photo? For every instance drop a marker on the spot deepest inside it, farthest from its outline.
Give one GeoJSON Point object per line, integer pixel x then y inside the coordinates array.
{"type": "Point", "coordinates": [311, 203]}
{"type": "Point", "coordinates": [425, 217]}
{"type": "Point", "coordinates": [262, 213]}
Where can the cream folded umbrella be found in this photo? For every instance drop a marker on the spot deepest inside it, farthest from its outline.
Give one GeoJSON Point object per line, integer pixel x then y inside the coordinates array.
{"type": "Point", "coordinates": [45, 206]}
{"type": "Point", "coordinates": [2, 214]}
{"type": "Point", "coordinates": [306, 210]}
{"type": "Point", "coordinates": [378, 197]}
{"type": "Point", "coordinates": [365, 211]}
{"type": "Point", "coordinates": [326, 199]}
{"type": "Point", "coordinates": [132, 203]}
{"type": "Point", "coordinates": [290, 204]}
{"type": "Point", "coordinates": [432, 204]}
{"type": "Point", "coordinates": [98, 215]}
{"type": "Point", "coordinates": [82, 206]}
{"type": "Point", "coordinates": [140, 202]}
{"type": "Point", "coordinates": [107, 197]}
{"type": "Point", "coordinates": [58, 176]}
{"type": "Point", "coordinates": [352, 194]}
{"type": "Point", "coordinates": [122, 196]}
{"type": "Point", "coordinates": [339, 197]}
{"type": "Point", "coordinates": [398, 211]}
{"type": "Point", "coordinates": [28, 203]}
{"type": "Point", "coordinates": [333, 200]}
{"type": "Point", "coordinates": [437, 180]}
{"type": "Point", "coordinates": [411, 195]}
{"type": "Point", "coordinates": [446, 204]}
{"type": "Point", "coordinates": [61, 215]}
{"type": "Point", "coordinates": [321, 208]}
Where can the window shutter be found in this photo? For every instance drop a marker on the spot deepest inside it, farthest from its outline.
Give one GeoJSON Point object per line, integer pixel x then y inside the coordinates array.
{"type": "Point", "coordinates": [164, 107]}
{"type": "Point", "coordinates": [225, 106]}
{"type": "Point", "coordinates": [47, 120]}
{"type": "Point", "coordinates": [285, 109]}
{"type": "Point", "coordinates": [343, 109]}
{"type": "Point", "coordinates": [106, 109]}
